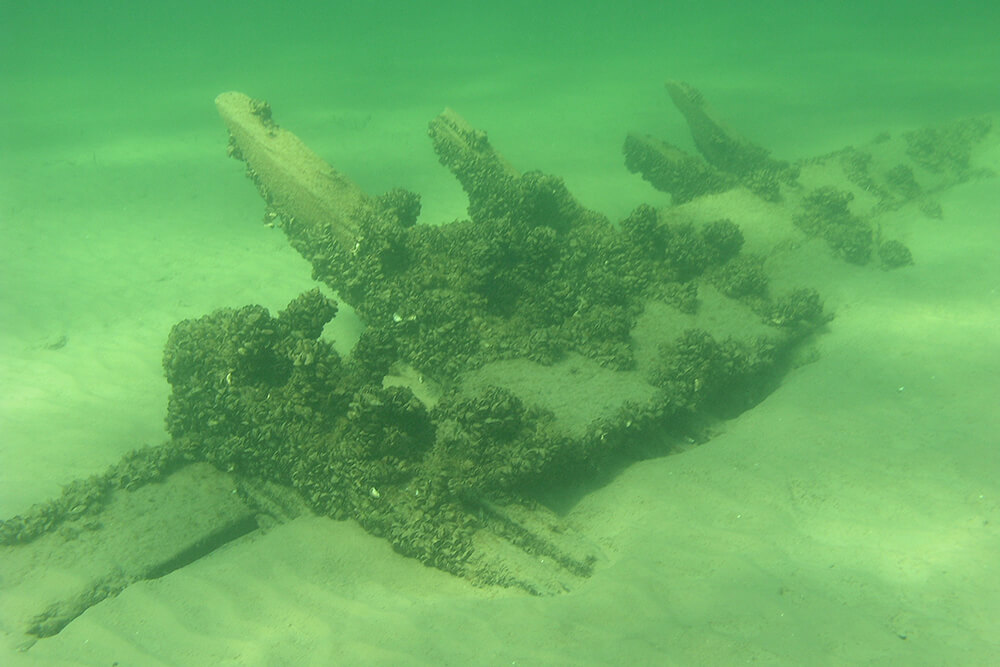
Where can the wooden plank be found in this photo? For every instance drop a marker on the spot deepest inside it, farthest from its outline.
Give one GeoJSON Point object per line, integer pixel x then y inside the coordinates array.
{"type": "Point", "coordinates": [297, 185]}
{"type": "Point", "coordinates": [140, 534]}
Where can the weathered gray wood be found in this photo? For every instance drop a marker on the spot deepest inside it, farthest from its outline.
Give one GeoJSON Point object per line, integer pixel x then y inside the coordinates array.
{"type": "Point", "coordinates": [140, 534]}
{"type": "Point", "coordinates": [297, 185]}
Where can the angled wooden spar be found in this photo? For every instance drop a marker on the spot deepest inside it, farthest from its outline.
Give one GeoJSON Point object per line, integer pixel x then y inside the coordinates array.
{"type": "Point", "coordinates": [497, 190]}
{"type": "Point", "coordinates": [467, 152]}
{"type": "Point", "coordinates": [721, 145]}
{"type": "Point", "coordinates": [297, 185]}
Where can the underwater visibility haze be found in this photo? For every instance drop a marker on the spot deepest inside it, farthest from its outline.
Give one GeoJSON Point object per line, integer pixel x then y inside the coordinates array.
{"type": "Point", "coordinates": [436, 333]}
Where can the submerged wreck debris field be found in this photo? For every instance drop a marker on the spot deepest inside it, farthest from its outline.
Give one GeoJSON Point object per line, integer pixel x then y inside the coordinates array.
{"type": "Point", "coordinates": [503, 356]}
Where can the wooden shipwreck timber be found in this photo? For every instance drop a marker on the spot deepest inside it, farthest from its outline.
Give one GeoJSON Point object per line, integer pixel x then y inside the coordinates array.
{"type": "Point", "coordinates": [505, 357]}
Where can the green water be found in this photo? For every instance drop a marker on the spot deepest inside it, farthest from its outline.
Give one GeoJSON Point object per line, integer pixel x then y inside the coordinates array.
{"type": "Point", "coordinates": [73, 68]}
{"type": "Point", "coordinates": [120, 215]}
